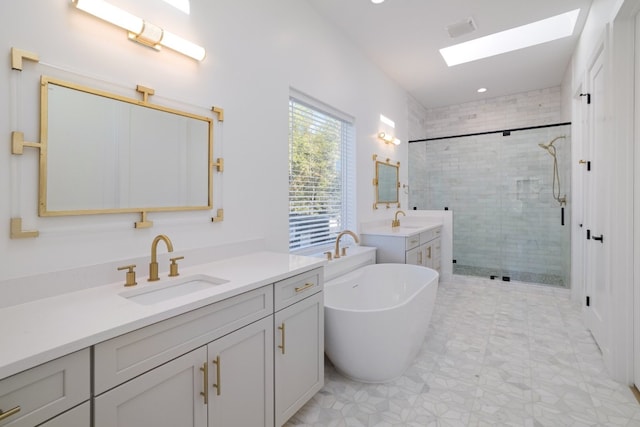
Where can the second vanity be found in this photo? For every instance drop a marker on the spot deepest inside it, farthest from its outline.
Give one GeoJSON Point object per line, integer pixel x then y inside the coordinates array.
{"type": "Point", "coordinates": [418, 244]}
{"type": "Point", "coordinates": [247, 349]}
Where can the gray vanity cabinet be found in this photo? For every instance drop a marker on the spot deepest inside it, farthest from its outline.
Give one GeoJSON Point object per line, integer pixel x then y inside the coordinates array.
{"type": "Point", "coordinates": [419, 248]}
{"type": "Point", "coordinates": [298, 342]}
{"type": "Point", "coordinates": [225, 383]}
{"type": "Point", "coordinates": [151, 382]}
{"type": "Point", "coordinates": [47, 391]}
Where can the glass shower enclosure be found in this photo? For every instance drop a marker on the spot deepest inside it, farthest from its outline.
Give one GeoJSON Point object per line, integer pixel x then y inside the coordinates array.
{"type": "Point", "coordinates": [509, 193]}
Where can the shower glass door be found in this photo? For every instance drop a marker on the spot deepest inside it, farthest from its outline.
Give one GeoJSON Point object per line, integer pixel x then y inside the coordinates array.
{"type": "Point", "coordinates": [504, 197]}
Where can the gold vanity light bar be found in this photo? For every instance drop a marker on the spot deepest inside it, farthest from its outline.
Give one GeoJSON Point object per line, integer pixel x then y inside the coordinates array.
{"type": "Point", "coordinates": [140, 30]}
{"type": "Point", "coordinates": [389, 139]}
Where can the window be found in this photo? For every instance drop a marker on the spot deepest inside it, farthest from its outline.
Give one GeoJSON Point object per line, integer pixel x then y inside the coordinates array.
{"type": "Point", "coordinates": [321, 176]}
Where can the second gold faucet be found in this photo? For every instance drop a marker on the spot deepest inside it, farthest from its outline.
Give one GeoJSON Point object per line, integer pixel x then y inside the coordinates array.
{"type": "Point", "coordinates": [153, 266]}
{"type": "Point", "coordinates": [396, 222]}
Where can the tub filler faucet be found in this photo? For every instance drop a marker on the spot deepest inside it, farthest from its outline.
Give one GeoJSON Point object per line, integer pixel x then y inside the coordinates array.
{"type": "Point", "coordinates": [344, 250]}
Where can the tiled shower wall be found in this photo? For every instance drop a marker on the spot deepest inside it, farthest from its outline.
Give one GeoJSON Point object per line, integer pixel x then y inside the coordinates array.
{"type": "Point", "coordinates": [506, 221]}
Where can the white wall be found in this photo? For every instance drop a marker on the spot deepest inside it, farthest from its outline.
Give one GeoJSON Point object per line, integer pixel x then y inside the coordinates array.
{"type": "Point", "coordinates": [256, 51]}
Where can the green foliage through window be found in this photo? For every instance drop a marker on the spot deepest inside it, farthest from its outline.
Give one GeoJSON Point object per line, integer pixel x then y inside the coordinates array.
{"type": "Point", "coordinates": [318, 173]}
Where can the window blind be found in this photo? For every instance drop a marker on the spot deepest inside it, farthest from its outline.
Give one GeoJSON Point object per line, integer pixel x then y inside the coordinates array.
{"type": "Point", "coordinates": [321, 174]}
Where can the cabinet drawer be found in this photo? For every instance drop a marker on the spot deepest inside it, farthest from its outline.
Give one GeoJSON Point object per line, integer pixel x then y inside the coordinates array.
{"type": "Point", "coordinates": [79, 416]}
{"type": "Point", "coordinates": [296, 288]}
{"type": "Point", "coordinates": [45, 391]}
{"type": "Point", "coordinates": [412, 242]}
{"type": "Point", "coordinates": [129, 355]}
{"type": "Point", "coordinates": [429, 235]}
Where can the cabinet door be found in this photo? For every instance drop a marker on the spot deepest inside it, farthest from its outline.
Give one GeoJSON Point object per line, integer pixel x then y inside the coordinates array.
{"type": "Point", "coordinates": [422, 255]}
{"type": "Point", "coordinates": [427, 254]}
{"type": "Point", "coordinates": [414, 256]}
{"type": "Point", "coordinates": [80, 416]}
{"type": "Point", "coordinates": [168, 396]}
{"type": "Point", "coordinates": [299, 355]}
{"type": "Point", "coordinates": [241, 377]}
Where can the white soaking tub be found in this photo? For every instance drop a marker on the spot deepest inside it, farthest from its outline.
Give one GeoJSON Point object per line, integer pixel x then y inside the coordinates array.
{"type": "Point", "coordinates": [376, 319]}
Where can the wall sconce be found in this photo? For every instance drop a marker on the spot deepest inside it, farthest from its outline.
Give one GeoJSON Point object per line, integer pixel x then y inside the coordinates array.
{"type": "Point", "coordinates": [140, 30]}
{"type": "Point", "coordinates": [388, 139]}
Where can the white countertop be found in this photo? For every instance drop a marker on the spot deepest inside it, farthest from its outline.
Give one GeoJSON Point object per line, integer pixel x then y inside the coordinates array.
{"type": "Point", "coordinates": [38, 331]}
{"type": "Point", "coordinates": [403, 230]}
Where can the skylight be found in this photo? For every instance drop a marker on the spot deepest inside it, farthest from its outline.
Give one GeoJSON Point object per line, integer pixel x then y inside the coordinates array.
{"type": "Point", "coordinates": [182, 5]}
{"type": "Point", "coordinates": [546, 30]}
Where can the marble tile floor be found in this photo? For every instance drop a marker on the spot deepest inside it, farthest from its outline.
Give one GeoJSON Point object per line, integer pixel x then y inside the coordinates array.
{"type": "Point", "coordinates": [496, 354]}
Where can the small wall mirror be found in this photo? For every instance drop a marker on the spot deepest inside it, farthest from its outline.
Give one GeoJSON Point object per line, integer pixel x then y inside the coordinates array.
{"type": "Point", "coordinates": [386, 183]}
{"type": "Point", "coordinates": [105, 153]}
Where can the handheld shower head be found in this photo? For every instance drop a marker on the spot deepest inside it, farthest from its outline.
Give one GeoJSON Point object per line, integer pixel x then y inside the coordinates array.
{"type": "Point", "coordinates": [549, 147]}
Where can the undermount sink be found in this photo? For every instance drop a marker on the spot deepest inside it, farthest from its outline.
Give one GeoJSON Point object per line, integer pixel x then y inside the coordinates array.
{"type": "Point", "coordinates": [155, 293]}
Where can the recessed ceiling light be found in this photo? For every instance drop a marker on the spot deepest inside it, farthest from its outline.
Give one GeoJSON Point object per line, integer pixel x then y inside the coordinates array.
{"type": "Point", "coordinates": [539, 32]}
{"type": "Point", "coordinates": [482, 90]}
{"type": "Point", "coordinates": [377, 1]}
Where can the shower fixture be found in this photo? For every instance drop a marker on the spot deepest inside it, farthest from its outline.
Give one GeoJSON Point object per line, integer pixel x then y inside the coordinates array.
{"type": "Point", "coordinates": [551, 149]}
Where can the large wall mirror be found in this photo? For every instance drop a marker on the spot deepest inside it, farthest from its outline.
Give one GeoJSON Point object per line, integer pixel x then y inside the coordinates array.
{"type": "Point", "coordinates": [386, 183]}
{"type": "Point", "coordinates": [105, 153]}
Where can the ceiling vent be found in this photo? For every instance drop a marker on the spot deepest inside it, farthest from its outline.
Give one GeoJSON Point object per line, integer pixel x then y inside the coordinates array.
{"type": "Point", "coordinates": [461, 28]}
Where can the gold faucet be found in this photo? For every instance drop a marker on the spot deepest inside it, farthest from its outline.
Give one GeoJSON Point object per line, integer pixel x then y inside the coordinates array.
{"type": "Point", "coordinates": [337, 251]}
{"type": "Point", "coordinates": [153, 266]}
{"type": "Point", "coordinates": [396, 222]}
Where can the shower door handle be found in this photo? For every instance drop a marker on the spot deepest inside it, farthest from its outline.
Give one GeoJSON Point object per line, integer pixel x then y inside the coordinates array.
{"type": "Point", "coordinates": [599, 238]}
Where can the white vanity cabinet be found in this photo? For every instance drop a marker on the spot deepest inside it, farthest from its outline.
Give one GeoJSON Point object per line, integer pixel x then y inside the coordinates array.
{"type": "Point", "coordinates": [46, 391]}
{"type": "Point", "coordinates": [189, 389]}
{"type": "Point", "coordinates": [420, 248]}
{"type": "Point", "coordinates": [298, 342]}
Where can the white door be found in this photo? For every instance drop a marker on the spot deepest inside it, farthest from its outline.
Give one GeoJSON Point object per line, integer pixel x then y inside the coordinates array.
{"type": "Point", "coordinates": [241, 377]}
{"type": "Point", "coordinates": [597, 287]}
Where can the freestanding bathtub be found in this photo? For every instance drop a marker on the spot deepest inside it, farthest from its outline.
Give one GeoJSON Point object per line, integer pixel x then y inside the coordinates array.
{"type": "Point", "coordinates": [376, 318]}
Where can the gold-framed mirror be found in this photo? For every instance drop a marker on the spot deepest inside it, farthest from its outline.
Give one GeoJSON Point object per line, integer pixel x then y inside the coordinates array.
{"type": "Point", "coordinates": [107, 153]}
{"type": "Point", "coordinates": [386, 182]}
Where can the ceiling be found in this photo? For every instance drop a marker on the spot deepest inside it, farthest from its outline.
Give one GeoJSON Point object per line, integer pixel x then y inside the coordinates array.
{"type": "Point", "coordinates": [403, 38]}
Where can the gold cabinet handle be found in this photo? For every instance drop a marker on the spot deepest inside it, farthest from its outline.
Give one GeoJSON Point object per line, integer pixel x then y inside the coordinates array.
{"type": "Point", "coordinates": [281, 346]}
{"type": "Point", "coordinates": [218, 384]}
{"type": "Point", "coordinates": [205, 393]}
{"type": "Point", "coordinates": [429, 255]}
{"type": "Point", "coordinates": [305, 287]}
{"type": "Point", "coordinates": [10, 412]}
{"type": "Point", "coordinates": [420, 258]}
